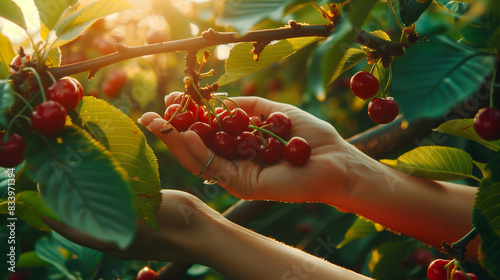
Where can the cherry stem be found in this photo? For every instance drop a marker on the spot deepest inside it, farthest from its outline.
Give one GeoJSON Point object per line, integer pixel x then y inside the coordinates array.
{"type": "Point", "coordinates": [211, 110]}
{"type": "Point", "coordinates": [460, 245]}
{"type": "Point", "coordinates": [9, 126]}
{"type": "Point", "coordinates": [270, 133]}
{"type": "Point", "coordinates": [492, 87]}
{"type": "Point", "coordinates": [389, 80]}
{"type": "Point", "coordinates": [33, 70]}
{"type": "Point", "coordinates": [223, 105]}
{"type": "Point", "coordinates": [394, 15]}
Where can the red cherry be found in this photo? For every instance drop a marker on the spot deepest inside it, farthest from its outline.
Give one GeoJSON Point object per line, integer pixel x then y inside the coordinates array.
{"type": "Point", "coordinates": [297, 151]}
{"type": "Point", "coordinates": [271, 153]}
{"type": "Point", "coordinates": [364, 85]}
{"type": "Point", "coordinates": [248, 145]}
{"type": "Point", "coordinates": [203, 130]}
{"type": "Point", "coordinates": [235, 124]}
{"type": "Point", "coordinates": [114, 83]}
{"type": "Point", "coordinates": [437, 270]}
{"type": "Point", "coordinates": [146, 274]}
{"type": "Point", "coordinates": [12, 150]}
{"type": "Point", "coordinates": [382, 110]}
{"type": "Point", "coordinates": [180, 120]}
{"type": "Point", "coordinates": [279, 124]}
{"type": "Point", "coordinates": [66, 93]}
{"type": "Point", "coordinates": [221, 114]}
{"type": "Point", "coordinates": [48, 118]}
{"type": "Point", "coordinates": [77, 84]}
{"type": "Point", "coordinates": [103, 45]}
{"type": "Point", "coordinates": [487, 123]}
{"type": "Point", "coordinates": [225, 145]}
{"type": "Point", "coordinates": [460, 275]}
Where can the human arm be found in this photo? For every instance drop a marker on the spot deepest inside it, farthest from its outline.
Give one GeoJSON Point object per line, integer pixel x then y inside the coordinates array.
{"type": "Point", "coordinates": [190, 231]}
{"type": "Point", "coordinates": [337, 174]}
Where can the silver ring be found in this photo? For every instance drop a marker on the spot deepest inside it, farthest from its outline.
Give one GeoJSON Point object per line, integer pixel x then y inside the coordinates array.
{"type": "Point", "coordinates": [206, 165]}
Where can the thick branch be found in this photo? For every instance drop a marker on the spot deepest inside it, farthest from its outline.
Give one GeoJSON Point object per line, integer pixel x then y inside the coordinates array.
{"type": "Point", "coordinates": [210, 38]}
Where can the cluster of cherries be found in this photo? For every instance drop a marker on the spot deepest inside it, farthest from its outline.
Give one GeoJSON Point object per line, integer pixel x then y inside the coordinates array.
{"type": "Point", "coordinates": [232, 134]}
{"type": "Point", "coordinates": [384, 110]}
{"type": "Point", "coordinates": [381, 110]}
{"type": "Point", "coordinates": [440, 269]}
{"type": "Point", "coordinates": [47, 118]}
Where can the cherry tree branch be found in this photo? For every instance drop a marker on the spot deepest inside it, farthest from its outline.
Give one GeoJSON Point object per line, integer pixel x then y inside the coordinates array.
{"type": "Point", "coordinates": [212, 38]}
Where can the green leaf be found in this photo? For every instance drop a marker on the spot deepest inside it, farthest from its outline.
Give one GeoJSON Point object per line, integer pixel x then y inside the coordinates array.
{"type": "Point", "coordinates": [73, 25]}
{"type": "Point", "coordinates": [6, 56]}
{"type": "Point", "coordinates": [327, 57]}
{"type": "Point", "coordinates": [410, 10]}
{"type": "Point", "coordinates": [243, 15]}
{"type": "Point", "coordinates": [6, 101]}
{"type": "Point", "coordinates": [67, 257]}
{"type": "Point", "coordinates": [361, 228]}
{"type": "Point", "coordinates": [435, 162]}
{"type": "Point", "coordinates": [126, 142]}
{"type": "Point", "coordinates": [240, 62]}
{"type": "Point", "coordinates": [30, 260]}
{"type": "Point", "coordinates": [351, 57]}
{"type": "Point", "coordinates": [464, 128]}
{"type": "Point", "coordinates": [53, 58]}
{"type": "Point", "coordinates": [385, 258]}
{"type": "Point", "coordinates": [51, 11]}
{"type": "Point", "coordinates": [82, 183]}
{"type": "Point", "coordinates": [29, 207]}
{"type": "Point", "coordinates": [433, 76]}
{"type": "Point", "coordinates": [485, 216]}
{"type": "Point", "coordinates": [11, 11]}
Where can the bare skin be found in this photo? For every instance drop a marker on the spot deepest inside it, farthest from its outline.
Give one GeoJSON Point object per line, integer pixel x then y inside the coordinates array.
{"type": "Point", "coordinates": [337, 174]}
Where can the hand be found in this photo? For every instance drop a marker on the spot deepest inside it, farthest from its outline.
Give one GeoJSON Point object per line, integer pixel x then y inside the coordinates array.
{"type": "Point", "coordinates": [323, 177]}
{"type": "Point", "coordinates": [181, 219]}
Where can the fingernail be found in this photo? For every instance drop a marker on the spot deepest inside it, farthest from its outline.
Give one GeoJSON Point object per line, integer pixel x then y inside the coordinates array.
{"type": "Point", "coordinates": [157, 125]}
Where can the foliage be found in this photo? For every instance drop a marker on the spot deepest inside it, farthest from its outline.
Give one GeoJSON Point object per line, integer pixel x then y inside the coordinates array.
{"type": "Point", "coordinates": [100, 172]}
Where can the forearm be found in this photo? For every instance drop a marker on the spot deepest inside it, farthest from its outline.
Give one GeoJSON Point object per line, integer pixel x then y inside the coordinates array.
{"type": "Point", "coordinates": [430, 211]}
{"type": "Point", "coordinates": [239, 253]}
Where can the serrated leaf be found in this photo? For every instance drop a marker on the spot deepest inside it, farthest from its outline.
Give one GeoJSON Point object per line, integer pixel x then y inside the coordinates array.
{"type": "Point", "coordinates": [29, 205]}
{"type": "Point", "coordinates": [482, 167]}
{"type": "Point", "coordinates": [435, 162]}
{"type": "Point", "coordinates": [361, 228]}
{"type": "Point", "coordinates": [411, 10]}
{"type": "Point", "coordinates": [11, 11]}
{"type": "Point", "coordinates": [60, 252]}
{"type": "Point", "coordinates": [351, 57]}
{"type": "Point", "coordinates": [240, 62]}
{"type": "Point", "coordinates": [51, 11]}
{"type": "Point", "coordinates": [82, 183]}
{"type": "Point", "coordinates": [243, 15]}
{"type": "Point", "coordinates": [6, 101]}
{"type": "Point", "coordinates": [75, 24]}
{"type": "Point", "coordinates": [433, 76]}
{"type": "Point", "coordinates": [6, 56]}
{"type": "Point", "coordinates": [126, 142]}
{"type": "Point", "coordinates": [53, 58]}
{"type": "Point", "coordinates": [485, 216]}
{"type": "Point", "coordinates": [464, 128]}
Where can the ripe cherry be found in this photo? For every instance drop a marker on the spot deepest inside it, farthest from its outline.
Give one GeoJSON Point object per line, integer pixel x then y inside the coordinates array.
{"type": "Point", "coordinates": [48, 118]}
{"type": "Point", "coordinates": [203, 130]}
{"type": "Point", "coordinates": [146, 274]}
{"type": "Point", "coordinates": [178, 119]}
{"type": "Point", "coordinates": [279, 124]}
{"type": "Point", "coordinates": [382, 110]}
{"type": "Point", "coordinates": [297, 151]}
{"type": "Point", "coordinates": [224, 145]}
{"type": "Point", "coordinates": [437, 270]}
{"type": "Point", "coordinates": [235, 124]}
{"type": "Point", "coordinates": [248, 145]}
{"type": "Point", "coordinates": [460, 275]}
{"type": "Point", "coordinates": [66, 93]}
{"type": "Point", "coordinates": [487, 123]}
{"type": "Point", "coordinates": [12, 150]}
{"type": "Point", "coordinates": [271, 153]}
{"type": "Point", "coordinates": [364, 85]}
{"type": "Point", "coordinates": [77, 84]}
{"type": "Point", "coordinates": [114, 83]}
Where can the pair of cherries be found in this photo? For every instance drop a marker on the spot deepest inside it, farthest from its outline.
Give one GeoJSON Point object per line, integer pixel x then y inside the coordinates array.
{"type": "Point", "coordinates": [235, 135]}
